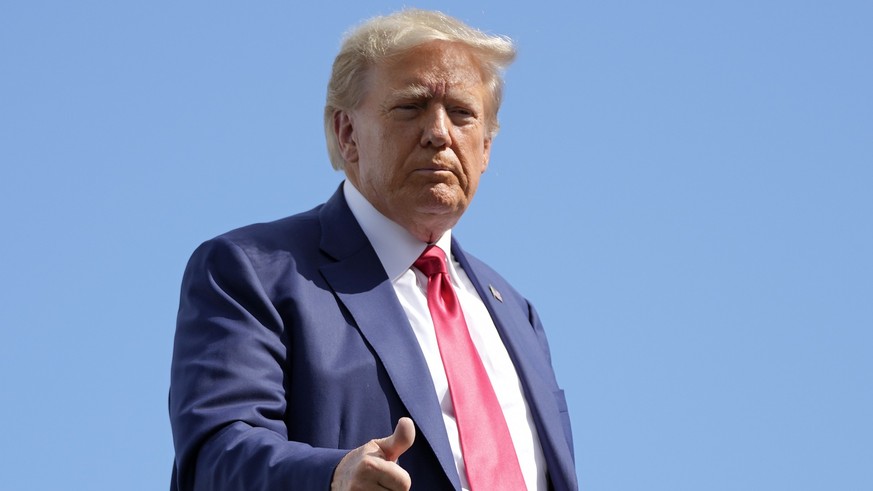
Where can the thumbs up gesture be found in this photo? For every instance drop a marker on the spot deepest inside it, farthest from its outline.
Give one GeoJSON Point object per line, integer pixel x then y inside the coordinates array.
{"type": "Point", "coordinates": [374, 464]}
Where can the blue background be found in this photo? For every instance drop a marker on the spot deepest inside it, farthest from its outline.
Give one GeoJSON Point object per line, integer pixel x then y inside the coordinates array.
{"type": "Point", "coordinates": [684, 189]}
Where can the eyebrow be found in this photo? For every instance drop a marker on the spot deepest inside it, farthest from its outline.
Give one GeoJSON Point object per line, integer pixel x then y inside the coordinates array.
{"type": "Point", "coordinates": [415, 91]}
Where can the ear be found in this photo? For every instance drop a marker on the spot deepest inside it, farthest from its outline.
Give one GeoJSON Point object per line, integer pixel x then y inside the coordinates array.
{"type": "Point", "coordinates": [486, 154]}
{"type": "Point", "coordinates": [343, 128]}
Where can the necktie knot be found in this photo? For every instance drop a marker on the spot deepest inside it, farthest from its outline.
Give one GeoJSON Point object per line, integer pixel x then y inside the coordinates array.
{"type": "Point", "coordinates": [432, 261]}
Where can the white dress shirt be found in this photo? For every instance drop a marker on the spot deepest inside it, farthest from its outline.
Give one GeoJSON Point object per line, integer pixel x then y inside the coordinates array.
{"type": "Point", "coordinates": [397, 250]}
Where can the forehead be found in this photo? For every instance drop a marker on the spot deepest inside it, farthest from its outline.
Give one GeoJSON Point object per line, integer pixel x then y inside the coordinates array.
{"type": "Point", "coordinates": [435, 67]}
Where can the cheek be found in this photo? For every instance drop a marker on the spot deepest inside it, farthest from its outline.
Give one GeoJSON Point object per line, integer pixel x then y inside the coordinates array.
{"type": "Point", "coordinates": [475, 155]}
{"type": "Point", "coordinates": [373, 152]}
{"type": "Point", "coordinates": [474, 180]}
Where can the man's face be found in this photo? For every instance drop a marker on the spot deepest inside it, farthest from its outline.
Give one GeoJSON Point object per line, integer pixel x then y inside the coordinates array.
{"type": "Point", "coordinates": [418, 142]}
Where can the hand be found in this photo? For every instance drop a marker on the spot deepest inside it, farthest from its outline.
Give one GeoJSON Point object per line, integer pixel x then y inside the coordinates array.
{"type": "Point", "coordinates": [374, 464]}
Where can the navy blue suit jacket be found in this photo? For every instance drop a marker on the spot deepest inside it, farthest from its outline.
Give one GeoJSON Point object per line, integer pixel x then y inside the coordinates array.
{"type": "Point", "coordinates": [291, 348]}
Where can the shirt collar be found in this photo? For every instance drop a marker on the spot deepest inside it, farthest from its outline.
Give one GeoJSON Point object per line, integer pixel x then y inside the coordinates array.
{"type": "Point", "coordinates": [396, 247]}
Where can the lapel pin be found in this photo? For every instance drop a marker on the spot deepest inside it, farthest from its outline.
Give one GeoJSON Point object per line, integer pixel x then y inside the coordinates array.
{"type": "Point", "coordinates": [496, 293]}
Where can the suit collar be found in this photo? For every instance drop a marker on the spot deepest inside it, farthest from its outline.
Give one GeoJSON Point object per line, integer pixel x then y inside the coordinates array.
{"type": "Point", "coordinates": [361, 284]}
{"type": "Point", "coordinates": [534, 371]}
{"type": "Point", "coordinates": [341, 236]}
{"type": "Point", "coordinates": [396, 247]}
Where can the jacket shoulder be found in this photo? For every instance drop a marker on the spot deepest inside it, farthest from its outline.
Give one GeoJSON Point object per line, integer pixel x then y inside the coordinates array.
{"type": "Point", "coordinates": [282, 234]}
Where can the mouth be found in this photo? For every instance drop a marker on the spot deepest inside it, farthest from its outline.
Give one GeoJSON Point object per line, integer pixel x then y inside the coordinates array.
{"type": "Point", "coordinates": [437, 166]}
{"type": "Point", "coordinates": [434, 169]}
{"type": "Point", "coordinates": [435, 174]}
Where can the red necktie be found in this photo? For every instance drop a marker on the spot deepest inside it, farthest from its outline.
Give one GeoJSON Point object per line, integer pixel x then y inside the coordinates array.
{"type": "Point", "coordinates": [489, 455]}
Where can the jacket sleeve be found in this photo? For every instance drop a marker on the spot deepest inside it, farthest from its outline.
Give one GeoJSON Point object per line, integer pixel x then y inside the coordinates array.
{"type": "Point", "coordinates": [227, 401]}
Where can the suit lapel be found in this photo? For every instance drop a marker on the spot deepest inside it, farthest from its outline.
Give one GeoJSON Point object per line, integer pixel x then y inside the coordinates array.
{"type": "Point", "coordinates": [533, 369]}
{"type": "Point", "coordinates": [360, 282]}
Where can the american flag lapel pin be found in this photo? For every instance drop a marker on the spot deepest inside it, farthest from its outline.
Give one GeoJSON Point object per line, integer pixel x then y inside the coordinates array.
{"type": "Point", "coordinates": [496, 293]}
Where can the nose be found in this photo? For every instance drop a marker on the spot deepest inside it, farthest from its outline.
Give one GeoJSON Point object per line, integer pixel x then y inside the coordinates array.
{"type": "Point", "coordinates": [436, 128]}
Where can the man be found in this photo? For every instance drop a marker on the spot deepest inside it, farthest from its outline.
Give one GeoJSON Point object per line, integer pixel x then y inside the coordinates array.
{"type": "Point", "coordinates": [357, 346]}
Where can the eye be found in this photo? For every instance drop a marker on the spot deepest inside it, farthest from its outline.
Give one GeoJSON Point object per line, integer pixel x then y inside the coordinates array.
{"type": "Point", "coordinates": [461, 114]}
{"type": "Point", "coordinates": [406, 110]}
{"type": "Point", "coordinates": [407, 106]}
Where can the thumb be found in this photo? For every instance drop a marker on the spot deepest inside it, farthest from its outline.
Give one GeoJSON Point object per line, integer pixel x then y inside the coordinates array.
{"type": "Point", "coordinates": [393, 446]}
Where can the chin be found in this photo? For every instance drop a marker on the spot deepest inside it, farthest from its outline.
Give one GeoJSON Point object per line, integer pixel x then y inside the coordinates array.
{"type": "Point", "coordinates": [442, 200]}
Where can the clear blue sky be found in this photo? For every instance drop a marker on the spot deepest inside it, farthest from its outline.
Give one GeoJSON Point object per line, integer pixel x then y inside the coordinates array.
{"type": "Point", "coordinates": [684, 189]}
